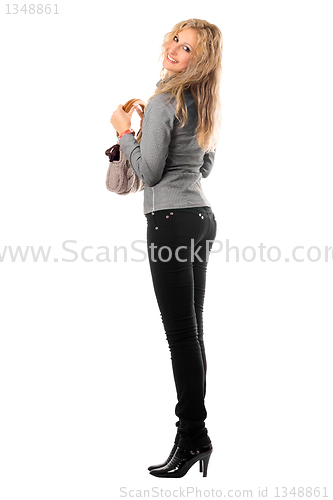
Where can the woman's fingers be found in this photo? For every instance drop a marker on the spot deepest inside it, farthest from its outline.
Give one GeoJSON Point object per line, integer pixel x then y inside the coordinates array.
{"type": "Point", "coordinates": [139, 110]}
{"type": "Point", "coordinates": [121, 120]}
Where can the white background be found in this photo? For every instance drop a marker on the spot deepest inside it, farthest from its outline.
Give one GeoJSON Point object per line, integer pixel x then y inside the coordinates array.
{"type": "Point", "coordinates": [87, 392]}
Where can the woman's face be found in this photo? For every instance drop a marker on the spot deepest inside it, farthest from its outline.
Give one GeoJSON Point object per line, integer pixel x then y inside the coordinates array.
{"type": "Point", "coordinates": [180, 50]}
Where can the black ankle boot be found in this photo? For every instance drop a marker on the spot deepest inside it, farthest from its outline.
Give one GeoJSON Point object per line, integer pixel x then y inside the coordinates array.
{"type": "Point", "coordinates": [171, 454]}
{"type": "Point", "coordinates": [183, 460]}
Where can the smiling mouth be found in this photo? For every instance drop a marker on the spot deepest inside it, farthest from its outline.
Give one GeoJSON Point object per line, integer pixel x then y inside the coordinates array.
{"type": "Point", "coordinates": [170, 59]}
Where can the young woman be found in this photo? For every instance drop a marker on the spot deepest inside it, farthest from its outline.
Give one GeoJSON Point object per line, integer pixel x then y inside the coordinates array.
{"type": "Point", "coordinates": [179, 134]}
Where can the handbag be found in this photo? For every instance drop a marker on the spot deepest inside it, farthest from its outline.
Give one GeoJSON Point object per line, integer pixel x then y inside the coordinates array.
{"type": "Point", "coordinates": [120, 177]}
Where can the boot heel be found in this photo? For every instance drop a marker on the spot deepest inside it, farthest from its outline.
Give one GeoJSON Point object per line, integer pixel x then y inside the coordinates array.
{"type": "Point", "coordinates": [205, 461]}
{"type": "Point", "coordinates": [200, 465]}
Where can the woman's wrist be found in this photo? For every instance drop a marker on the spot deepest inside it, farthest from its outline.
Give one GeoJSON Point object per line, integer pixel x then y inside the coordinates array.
{"type": "Point", "coordinates": [127, 131]}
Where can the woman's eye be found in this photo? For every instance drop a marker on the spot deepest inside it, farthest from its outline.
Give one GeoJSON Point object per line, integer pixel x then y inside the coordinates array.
{"type": "Point", "coordinates": [185, 48]}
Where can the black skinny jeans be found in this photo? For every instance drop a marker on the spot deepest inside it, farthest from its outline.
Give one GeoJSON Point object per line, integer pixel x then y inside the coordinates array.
{"type": "Point", "coordinates": [179, 277]}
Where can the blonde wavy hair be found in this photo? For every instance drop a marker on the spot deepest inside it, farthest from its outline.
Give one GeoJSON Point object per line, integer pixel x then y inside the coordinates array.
{"type": "Point", "coordinates": [202, 76]}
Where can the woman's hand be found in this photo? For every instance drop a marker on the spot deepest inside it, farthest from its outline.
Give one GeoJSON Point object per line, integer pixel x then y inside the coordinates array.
{"type": "Point", "coordinates": [120, 120]}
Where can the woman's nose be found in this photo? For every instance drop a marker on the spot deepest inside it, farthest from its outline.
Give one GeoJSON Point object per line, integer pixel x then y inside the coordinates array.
{"type": "Point", "coordinates": [173, 48]}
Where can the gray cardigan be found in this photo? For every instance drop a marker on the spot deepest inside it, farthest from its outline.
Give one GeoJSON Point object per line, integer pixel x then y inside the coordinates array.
{"type": "Point", "coordinates": [169, 159]}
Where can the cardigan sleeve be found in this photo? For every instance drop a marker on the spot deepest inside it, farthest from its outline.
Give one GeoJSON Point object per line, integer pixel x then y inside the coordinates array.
{"type": "Point", "coordinates": [148, 158]}
{"type": "Point", "coordinates": [208, 163]}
